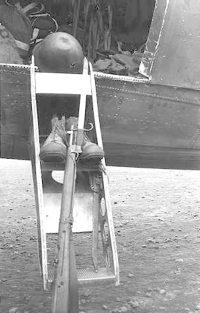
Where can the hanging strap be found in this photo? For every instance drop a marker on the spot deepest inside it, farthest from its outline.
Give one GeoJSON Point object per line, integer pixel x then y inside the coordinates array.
{"type": "Point", "coordinates": [36, 29]}
{"type": "Point", "coordinates": [33, 8]}
{"type": "Point", "coordinates": [22, 45]}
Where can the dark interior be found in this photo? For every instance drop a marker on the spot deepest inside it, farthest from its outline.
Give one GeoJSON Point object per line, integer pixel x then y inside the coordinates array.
{"type": "Point", "coordinates": [112, 33]}
{"type": "Point", "coordinates": [122, 25]}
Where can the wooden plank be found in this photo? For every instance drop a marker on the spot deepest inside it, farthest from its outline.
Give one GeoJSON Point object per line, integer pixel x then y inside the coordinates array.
{"type": "Point", "coordinates": [105, 179]}
{"type": "Point", "coordinates": [83, 201]}
{"type": "Point", "coordinates": [54, 83]}
{"type": "Point", "coordinates": [37, 180]}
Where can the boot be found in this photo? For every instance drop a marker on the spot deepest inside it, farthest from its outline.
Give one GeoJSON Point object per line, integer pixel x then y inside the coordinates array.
{"type": "Point", "coordinates": [90, 150]}
{"type": "Point", "coordinates": [54, 148]}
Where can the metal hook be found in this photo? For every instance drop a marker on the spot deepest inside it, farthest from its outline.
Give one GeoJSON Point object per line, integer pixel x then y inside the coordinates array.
{"type": "Point", "coordinates": [89, 129]}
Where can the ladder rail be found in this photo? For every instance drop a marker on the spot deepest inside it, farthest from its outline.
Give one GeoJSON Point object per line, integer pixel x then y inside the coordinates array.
{"type": "Point", "coordinates": [95, 108]}
{"type": "Point", "coordinates": [105, 177]}
{"type": "Point", "coordinates": [82, 106]}
{"type": "Point", "coordinates": [37, 176]}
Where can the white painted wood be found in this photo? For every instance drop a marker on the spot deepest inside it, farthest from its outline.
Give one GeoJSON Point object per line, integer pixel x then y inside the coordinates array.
{"type": "Point", "coordinates": [37, 176]}
{"type": "Point", "coordinates": [54, 83]}
{"type": "Point", "coordinates": [82, 105]}
{"type": "Point", "coordinates": [82, 212]}
{"type": "Point", "coordinates": [95, 107]}
{"type": "Point", "coordinates": [105, 178]}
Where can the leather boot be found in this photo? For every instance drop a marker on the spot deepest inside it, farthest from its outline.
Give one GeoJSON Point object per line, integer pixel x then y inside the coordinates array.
{"type": "Point", "coordinates": [90, 150]}
{"type": "Point", "coordinates": [54, 148]}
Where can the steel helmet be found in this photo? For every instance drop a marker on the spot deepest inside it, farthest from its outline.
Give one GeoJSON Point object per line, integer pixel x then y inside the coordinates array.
{"type": "Point", "coordinates": [59, 53]}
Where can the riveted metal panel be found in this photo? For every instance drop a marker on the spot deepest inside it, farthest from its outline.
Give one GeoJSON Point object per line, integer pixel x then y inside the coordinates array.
{"type": "Point", "coordinates": [149, 125]}
{"type": "Point", "coordinates": [143, 124]}
{"type": "Point", "coordinates": [174, 58]}
{"type": "Point", "coordinates": [15, 109]}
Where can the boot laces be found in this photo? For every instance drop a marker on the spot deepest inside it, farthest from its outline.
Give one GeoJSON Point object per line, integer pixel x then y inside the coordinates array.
{"type": "Point", "coordinates": [73, 121]}
{"type": "Point", "coordinates": [59, 129]}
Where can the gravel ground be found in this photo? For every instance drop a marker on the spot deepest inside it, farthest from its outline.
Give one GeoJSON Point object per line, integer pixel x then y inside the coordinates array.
{"type": "Point", "coordinates": [157, 223]}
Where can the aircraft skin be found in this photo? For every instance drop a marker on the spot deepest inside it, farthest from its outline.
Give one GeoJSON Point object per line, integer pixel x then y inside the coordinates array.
{"type": "Point", "coordinates": [143, 124]}
{"type": "Point", "coordinates": [149, 122]}
{"type": "Point", "coordinates": [148, 125]}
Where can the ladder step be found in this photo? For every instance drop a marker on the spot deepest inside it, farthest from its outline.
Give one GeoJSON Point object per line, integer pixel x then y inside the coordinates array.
{"type": "Point", "coordinates": [88, 276]}
{"type": "Point", "coordinates": [81, 166]}
{"type": "Point", "coordinates": [75, 84]}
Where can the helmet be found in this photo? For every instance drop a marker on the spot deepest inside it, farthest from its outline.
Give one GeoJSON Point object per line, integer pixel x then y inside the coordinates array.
{"type": "Point", "coordinates": [59, 53]}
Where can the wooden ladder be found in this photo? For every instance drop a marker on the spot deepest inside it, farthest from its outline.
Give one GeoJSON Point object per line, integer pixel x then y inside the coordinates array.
{"type": "Point", "coordinates": [91, 206]}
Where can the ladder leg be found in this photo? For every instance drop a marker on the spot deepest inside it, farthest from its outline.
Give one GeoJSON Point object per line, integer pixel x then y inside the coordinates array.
{"type": "Point", "coordinates": [105, 178]}
{"type": "Point", "coordinates": [34, 148]}
{"type": "Point", "coordinates": [33, 166]}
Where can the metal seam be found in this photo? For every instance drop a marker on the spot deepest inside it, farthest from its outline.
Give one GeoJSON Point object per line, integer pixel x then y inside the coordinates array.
{"type": "Point", "coordinates": [113, 77]}
{"type": "Point", "coordinates": [147, 94]}
{"type": "Point", "coordinates": [121, 78]}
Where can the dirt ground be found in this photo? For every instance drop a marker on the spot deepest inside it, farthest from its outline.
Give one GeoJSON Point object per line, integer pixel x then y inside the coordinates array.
{"type": "Point", "coordinates": [157, 224]}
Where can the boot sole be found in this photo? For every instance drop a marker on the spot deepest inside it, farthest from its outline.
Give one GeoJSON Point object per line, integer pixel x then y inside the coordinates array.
{"type": "Point", "coordinates": [92, 157]}
{"type": "Point", "coordinates": [52, 157]}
